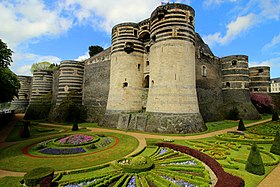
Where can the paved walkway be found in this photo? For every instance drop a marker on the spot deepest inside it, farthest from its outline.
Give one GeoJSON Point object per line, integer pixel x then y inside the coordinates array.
{"type": "Point", "coordinates": [270, 181]}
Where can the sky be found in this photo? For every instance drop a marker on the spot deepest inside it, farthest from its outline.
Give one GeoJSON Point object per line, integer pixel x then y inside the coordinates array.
{"type": "Point", "coordinates": [49, 30]}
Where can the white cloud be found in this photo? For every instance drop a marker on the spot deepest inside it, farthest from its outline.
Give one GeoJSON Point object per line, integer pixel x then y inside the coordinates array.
{"type": "Point", "coordinates": [272, 44]}
{"type": "Point", "coordinates": [26, 20]}
{"type": "Point", "coordinates": [83, 57]}
{"type": "Point", "coordinates": [216, 2]}
{"type": "Point", "coordinates": [270, 8]}
{"type": "Point", "coordinates": [23, 62]}
{"type": "Point", "coordinates": [107, 13]}
{"type": "Point", "coordinates": [234, 29]}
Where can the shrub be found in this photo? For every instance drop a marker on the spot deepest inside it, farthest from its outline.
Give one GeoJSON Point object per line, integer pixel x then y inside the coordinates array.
{"type": "Point", "coordinates": [25, 133]}
{"type": "Point", "coordinates": [262, 102]}
{"type": "Point", "coordinates": [233, 114]}
{"type": "Point", "coordinates": [254, 162]}
{"type": "Point", "coordinates": [41, 176]}
{"type": "Point", "coordinates": [75, 126]}
{"type": "Point", "coordinates": [241, 126]}
{"type": "Point", "coordinates": [275, 116]}
{"type": "Point", "coordinates": [136, 164]}
{"type": "Point", "coordinates": [275, 148]}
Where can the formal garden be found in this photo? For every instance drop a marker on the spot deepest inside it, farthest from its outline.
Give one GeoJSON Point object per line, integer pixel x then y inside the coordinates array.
{"type": "Point", "coordinates": [72, 156]}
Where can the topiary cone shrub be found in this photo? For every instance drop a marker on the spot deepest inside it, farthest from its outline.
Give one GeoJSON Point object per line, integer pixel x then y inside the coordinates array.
{"type": "Point", "coordinates": [25, 133]}
{"type": "Point", "coordinates": [254, 162]}
{"type": "Point", "coordinates": [41, 176]}
{"type": "Point", "coordinates": [275, 116]}
{"type": "Point", "coordinates": [275, 148]}
{"type": "Point", "coordinates": [75, 126]}
{"type": "Point", "coordinates": [241, 126]}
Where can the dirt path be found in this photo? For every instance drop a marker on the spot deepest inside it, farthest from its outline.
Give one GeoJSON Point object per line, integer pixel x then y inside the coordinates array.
{"type": "Point", "coordinates": [272, 177]}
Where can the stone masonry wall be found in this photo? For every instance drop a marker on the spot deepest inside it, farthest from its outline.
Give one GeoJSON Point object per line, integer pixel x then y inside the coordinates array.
{"type": "Point", "coordinates": [96, 89]}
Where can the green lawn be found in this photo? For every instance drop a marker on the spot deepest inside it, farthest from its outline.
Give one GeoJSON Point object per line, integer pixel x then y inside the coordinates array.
{"type": "Point", "coordinates": [13, 159]}
{"type": "Point", "coordinates": [10, 181]}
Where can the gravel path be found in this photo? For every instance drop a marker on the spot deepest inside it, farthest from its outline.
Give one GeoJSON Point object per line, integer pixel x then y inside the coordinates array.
{"type": "Point", "coordinates": [270, 181]}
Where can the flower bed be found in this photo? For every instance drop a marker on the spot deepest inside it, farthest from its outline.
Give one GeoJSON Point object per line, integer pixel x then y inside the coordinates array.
{"type": "Point", "coordinates": [76, 139]}
{"type": "Point", "coordinates": [62, 151]}
{"type": "Point", "coordinates": [224, 178]}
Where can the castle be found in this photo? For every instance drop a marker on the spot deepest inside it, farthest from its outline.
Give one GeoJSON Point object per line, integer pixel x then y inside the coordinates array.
{"type": "Point", "coordinates": [157, 76]}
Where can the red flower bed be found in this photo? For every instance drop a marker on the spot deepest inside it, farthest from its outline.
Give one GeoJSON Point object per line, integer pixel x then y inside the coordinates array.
{"type": "Point", "coordinates": [224, 179]}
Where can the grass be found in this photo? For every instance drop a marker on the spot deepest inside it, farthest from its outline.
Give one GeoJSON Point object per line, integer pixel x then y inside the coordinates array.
{"type": "Point", "coordinates": [13, 159]}
{"type": "Point", "coordinates": [11, 181]}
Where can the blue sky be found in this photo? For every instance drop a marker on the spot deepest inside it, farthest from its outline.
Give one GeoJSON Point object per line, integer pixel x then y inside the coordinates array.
{"type": "Point", "coordinates": [38, 30]}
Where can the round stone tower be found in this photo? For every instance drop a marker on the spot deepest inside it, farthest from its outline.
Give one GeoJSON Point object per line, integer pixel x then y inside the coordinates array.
{"type": "Point", "coordinates": [126, 73]}
{"type": "Point", "coordinates": [172, 95]}
{"type": "Point", "coordinates": [41, 95]}
{"type": "Point", "coordinates": [20, 103]}
{"type": "Point", "coordinates": [235, 86]}
{"type": "Point", "coordinates": [70, 79]}
{"type": "Point", "coordinates": [41, 85]}
{"type": "Point", "coordinates": [260, 79]}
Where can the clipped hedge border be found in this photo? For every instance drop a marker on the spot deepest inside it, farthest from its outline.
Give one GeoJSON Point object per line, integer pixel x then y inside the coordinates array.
{"type": "Point", "coordinates": [218, 137]}
{"type": "Point", "coordinates": [85, 169]}
{"type": "Point", "coordinates": [39, 176]}
{"type": "Point", "coordinates": [224, 178]}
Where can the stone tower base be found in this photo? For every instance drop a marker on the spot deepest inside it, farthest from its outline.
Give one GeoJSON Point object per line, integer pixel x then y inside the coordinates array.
{"type": "Point", "coordinates": [155, 122]}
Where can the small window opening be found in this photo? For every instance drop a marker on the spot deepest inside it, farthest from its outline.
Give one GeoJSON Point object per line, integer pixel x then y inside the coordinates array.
{"type": "Point", "coordinates": [129, 47]}
{"type": "Point", "coordinates": [153, 82]}
{"type": "Point", "coordinates": [146, 81]}
{"type": "Point", "coordinates": [139, 67]}
{"type": "Point", "coordinates": [147, 49]}
{"type": "Point", "coordinates": [234, 62]}
{"type": "Point", "coordinates": [227, 84]}
{"type": "Point", "coordinates": [191, 20]}
{"type": "Point", "coordinates": [256, 89]}
{"type": "Point", "coordinates": [125, 84]}
{"type": "Point", "coordinates": [147, 63]}
{"type": "Point", "coordinates": [260, 70]}
{"type": "Point", "coordinates": [135, 33]}
{"type": "Point", "coordinates": [25, 96]}
{"type": "Point", "coordinates": [154, 38]}
{"type": "Point", "coordinates": [175, 76]}
{"type": "Point", "coordinates": [203, 71]}
{"type": "Point", "coordinates": [145, 28]}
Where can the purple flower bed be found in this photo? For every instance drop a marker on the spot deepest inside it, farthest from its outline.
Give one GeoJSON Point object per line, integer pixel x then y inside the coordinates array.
{"type": "Point", "coordinates": [76, 139]}
{"type": "Point", "coordinates": [64, 151]}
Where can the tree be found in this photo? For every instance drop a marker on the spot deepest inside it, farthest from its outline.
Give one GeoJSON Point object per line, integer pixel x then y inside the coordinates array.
{"type": "Point", "coordinates": [262, 102]}
{"type": "Point", "coordinates": [275, 148]}
{"type": "Point", "coordinates": [241, 126]}
{"type": "Point", "coordinates": [43, 66]}
{"type": "Point", "coordinates": [9, 85]}
{"type": "Point", "coordinates": [93, 50]}
{"type": "Point", "coordinates": [5, 55]}
{"type": "Point", "coordinates": [254, 162]}
{"type": "Point", "coordinates": [275, 116]}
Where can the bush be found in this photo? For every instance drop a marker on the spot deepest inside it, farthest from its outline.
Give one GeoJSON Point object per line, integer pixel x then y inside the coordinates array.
{"type": "Point", "coordinates": [233, 114]}
{"type": "Point", "coordinates": [275, 148]}
{"type": "Point", "coordinates": [241, 126]}
{"type": "Point", "coordinates": [75, 126]}
{"type": "Point", "coordinates": [262, 102]}
{"type": "Point", "coordinates": [275, 116]}
{"type": "Point", "coordinates": [41, 176]}
{"type": "Point", "coordinates": [25, 133]}
{"type": "Point", "coordinates": [254, 162]}
{"type": "Point", "coordinates": [136, 164]}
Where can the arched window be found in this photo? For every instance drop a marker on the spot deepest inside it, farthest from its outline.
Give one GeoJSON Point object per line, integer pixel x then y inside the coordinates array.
{"type": "Point", "coordinates": [227, 84]}
{"type": "Point", "coordinates": [203, 71]}
{"type": "Point", "coordinates": [146, 81]}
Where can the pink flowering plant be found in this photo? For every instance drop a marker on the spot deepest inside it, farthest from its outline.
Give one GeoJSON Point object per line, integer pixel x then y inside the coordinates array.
{"type": "Point", "coordinates": [76, 139]}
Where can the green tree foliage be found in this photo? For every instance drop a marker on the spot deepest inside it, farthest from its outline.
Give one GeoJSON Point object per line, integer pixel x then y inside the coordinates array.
{"type": "Point", "coordinates": [241, 126]}
{"type": "Point", "coordinates": [275, 116]}
{"type": "Point", "coordinates": [254, 162]}
{"type": "Point", "coordinates": [75, 126]}
{"type": "Point", "coordinates": [43, 66]}
{"type": "Point", "coordinates": [9, 85]}
{"type": "Point", "coordinates": [275, 148]}
{"type": "Point", "coordinates": [233, 114]}
{"type": "Point", "coordinates": [94, 49]}
{"type": "Point", "coordinates": [25, 133]}
{"type": "Point", "coordinates": [5, 55]}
